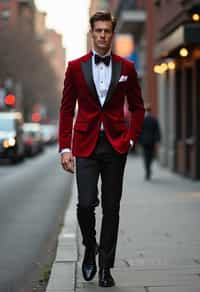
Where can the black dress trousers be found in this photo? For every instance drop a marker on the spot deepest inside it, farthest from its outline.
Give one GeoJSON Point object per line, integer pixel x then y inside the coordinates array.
{"type": "Point", "coordinates": [106, 163]}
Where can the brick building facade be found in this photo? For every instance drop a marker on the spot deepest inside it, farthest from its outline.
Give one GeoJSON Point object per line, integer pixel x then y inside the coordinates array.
{"type": "Point", "coordinates": [177, 60]}
{"type": "Point", "coordinates": [13, 12]}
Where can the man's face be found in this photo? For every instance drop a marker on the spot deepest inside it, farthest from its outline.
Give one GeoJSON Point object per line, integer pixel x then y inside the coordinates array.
{"type": "Point", "coordinates": [102, 36]}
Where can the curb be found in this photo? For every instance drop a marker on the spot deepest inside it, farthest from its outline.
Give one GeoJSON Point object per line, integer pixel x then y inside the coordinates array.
{"type": "Point", "coordinates": [63, 273]}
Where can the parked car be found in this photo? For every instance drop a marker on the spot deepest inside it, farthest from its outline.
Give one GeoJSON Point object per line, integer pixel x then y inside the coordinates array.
{"type": "Point", "coordinates": [50, 135]}
{"type": "Point", "coordinates": [33, 138]}
{"type": "Point", "coordinates": [11, 136]}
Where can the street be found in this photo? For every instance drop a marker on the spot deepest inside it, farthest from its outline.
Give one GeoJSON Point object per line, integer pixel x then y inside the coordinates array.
{"type": "Point", "coordinates": [33, 197]}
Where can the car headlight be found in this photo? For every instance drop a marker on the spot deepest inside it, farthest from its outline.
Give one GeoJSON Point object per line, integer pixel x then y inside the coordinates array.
{"type": "Point", "coordinates": [9, 142]}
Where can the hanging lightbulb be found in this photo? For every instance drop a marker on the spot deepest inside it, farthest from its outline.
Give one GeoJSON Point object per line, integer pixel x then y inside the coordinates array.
{"type": "Point", "coordinates": [195, 17]}
{"type": "Point", "coordinates": [183, 52]}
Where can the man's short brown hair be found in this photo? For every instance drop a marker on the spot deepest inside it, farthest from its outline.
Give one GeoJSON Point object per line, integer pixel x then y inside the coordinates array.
{"type": "Point", "coordinates": [103, 16]}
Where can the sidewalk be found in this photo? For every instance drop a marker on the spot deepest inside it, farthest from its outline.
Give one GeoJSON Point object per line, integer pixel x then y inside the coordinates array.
{"type": "Point", "coordinates": [159, 237]}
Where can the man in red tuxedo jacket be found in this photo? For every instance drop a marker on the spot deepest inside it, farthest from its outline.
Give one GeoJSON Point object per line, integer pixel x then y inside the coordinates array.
{"type": "Point", "coordinates": [98, 84]}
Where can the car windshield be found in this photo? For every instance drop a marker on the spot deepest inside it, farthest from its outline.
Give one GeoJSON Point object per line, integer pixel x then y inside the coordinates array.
{"type": "Point", "coordinates": [6, 124]}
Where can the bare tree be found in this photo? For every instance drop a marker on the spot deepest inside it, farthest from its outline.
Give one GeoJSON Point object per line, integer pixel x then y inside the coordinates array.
{"type": "Point", "coordinates": [22, 59]}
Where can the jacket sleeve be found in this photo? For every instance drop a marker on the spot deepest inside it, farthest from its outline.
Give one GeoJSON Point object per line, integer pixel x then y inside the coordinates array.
{"type": "Point", "coordinates": [67, 109]}
{"type": "Point", "coordinates": [135, 105]}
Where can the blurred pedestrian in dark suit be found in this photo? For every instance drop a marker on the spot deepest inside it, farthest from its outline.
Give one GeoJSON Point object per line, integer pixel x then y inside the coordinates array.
{"type": "Point", "coordinates": [149, 140]}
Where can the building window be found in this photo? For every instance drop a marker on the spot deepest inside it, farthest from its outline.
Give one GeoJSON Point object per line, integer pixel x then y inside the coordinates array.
{"type": "Point", "coordinates": [157, 2]}
{"type": "Point", "coordinates": [5, 14]}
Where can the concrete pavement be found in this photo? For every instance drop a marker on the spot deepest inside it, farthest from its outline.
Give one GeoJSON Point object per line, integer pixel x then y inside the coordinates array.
{"type": "Point", "coordinates": [159, 237]}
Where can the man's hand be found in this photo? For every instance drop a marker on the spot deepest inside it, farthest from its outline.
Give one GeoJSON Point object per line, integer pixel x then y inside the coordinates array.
{"type": "Point", "coordinates": [131, 145]}
{"type": "Point", "coordinates": [67, 161]}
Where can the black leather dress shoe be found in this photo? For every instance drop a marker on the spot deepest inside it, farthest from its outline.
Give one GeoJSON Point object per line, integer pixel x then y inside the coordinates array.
{"type": "Point", "coordinates": [89, 267]}
{"type": "Point", "coordinates": [105, 278]}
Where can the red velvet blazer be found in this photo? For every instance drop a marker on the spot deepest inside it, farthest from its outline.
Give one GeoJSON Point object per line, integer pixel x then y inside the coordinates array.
{"type": "Point", "coordinates": [80, 99]}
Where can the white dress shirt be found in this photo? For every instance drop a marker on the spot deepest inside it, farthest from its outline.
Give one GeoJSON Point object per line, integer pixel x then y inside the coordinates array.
{"type": "Point", "coordinates": [102, 77]}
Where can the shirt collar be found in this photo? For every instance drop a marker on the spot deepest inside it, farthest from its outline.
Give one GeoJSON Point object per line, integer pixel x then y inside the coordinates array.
{"type": "Point", "coordinates": [107, 54]}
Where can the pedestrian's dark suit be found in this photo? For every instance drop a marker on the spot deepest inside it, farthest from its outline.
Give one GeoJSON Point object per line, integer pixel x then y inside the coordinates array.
{"type": "Point", "coordinates": [149, 137]}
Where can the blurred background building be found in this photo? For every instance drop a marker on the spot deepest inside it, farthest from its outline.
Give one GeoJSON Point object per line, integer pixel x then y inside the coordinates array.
{"type": "Point", "coordinates": [14, 12]}
{"type": "Point", "coordinates": [177, 68]}
{"type": "Point", "coordinates": [32, 61]}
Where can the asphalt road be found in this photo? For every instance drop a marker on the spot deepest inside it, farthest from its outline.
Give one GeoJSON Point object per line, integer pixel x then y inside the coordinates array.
{"type": "Point", "coordinates": [33, 197]}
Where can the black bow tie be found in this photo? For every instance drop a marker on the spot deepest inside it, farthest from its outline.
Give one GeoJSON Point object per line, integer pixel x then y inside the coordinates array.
{"type": "Point", "coordinates": [98, 59]}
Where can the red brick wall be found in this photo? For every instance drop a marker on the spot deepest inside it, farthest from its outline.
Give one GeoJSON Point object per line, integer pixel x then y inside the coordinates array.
{"type": "Point", "coordinates": [140, 4]}
{"type": "Point", "coordinates": [171, 13]}
{"type": "Point", "coordinates": [166, 11]}
{"type": "Point", "coordinates": [56, 54]}
{"type": "Point", "coordinates": [150, 88]}
{"type": "Point", "coordinates": [12, 7]}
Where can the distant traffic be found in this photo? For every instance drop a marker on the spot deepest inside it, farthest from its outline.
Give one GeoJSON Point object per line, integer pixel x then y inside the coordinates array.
{"type": "Point", "coordinates": [19, 140]}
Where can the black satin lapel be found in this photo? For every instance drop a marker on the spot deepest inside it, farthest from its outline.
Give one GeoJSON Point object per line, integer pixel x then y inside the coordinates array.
{"type": "Point", "coordinates": [116, 72]}
{"type": "Point", "coordinates": [87, 72]}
